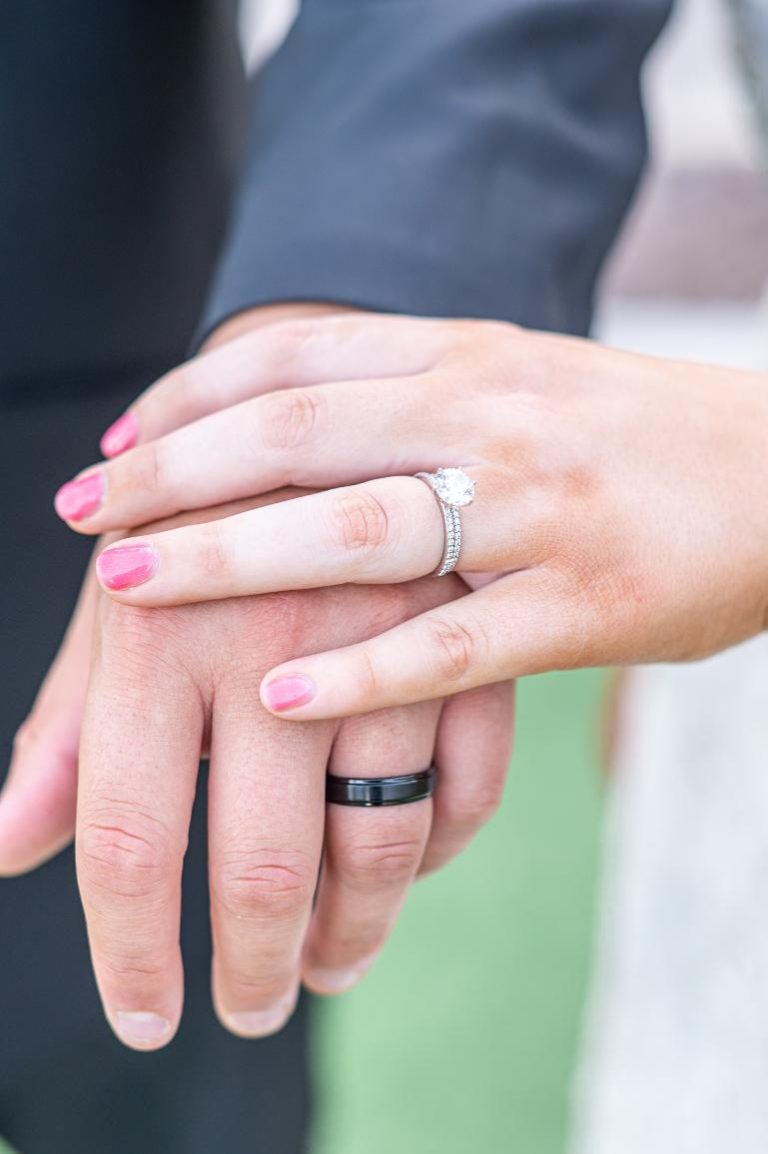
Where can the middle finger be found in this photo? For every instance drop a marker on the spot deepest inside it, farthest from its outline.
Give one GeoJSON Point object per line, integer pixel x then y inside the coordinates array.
{"type": "Point", "coordinates": [266, 807]}
{"type": "Point", "coordinates": [132, 822]}
{"type": "Point", "coordinates": [321, 436]}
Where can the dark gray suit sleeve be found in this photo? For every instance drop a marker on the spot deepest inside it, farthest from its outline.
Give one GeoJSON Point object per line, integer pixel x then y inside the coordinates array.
{"type": "Point", "coordinates": [441, 157]}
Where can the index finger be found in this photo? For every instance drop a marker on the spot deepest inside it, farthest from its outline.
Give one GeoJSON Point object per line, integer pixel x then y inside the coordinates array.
{"type": "Point", "coordinates": [286, 355]}
{"type": "Point", "coordinates": [386, 530]}
{"type": "Point", "coordinates": [139, 756]}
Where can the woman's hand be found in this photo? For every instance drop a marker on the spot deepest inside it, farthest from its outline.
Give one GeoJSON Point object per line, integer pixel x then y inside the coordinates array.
{"type": "Point", "coordinates": [620, 511]}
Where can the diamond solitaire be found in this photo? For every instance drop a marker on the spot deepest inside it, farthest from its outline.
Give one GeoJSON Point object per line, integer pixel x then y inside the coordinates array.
{"type": "Point", "coordinates": [454, 487]}
{"type": "Point", "coordinates": [453, 490]}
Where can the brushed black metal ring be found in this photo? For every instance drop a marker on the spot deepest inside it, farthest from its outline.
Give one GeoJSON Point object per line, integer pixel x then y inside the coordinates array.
{"type": "Point", "coordinates": [378, 791]}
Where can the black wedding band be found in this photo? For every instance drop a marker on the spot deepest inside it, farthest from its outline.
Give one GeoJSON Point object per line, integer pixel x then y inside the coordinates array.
{"type": "Point", "coordinates": [375, 791]}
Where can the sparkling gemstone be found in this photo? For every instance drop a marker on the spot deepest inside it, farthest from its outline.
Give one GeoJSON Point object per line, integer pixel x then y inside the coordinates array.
{"type": "Point", "coordinates": [454, 487]}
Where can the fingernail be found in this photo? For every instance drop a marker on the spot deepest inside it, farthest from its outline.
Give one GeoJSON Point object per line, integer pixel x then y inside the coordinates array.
{"type": "Point", "coordinates": [257, 1023]}
{"type": "Point", "coordinates": [120, 436]}
{"type": "Point", "coordinates": [78, 499]}
{"type": "Point", "coordinates": [126, 566]}
{"type": "Point", "coordinates": [288, 692]}
{"type": "Point", "coordinates": [334, 981]}
{"type": "Point", "coordinates": [139, 1028]}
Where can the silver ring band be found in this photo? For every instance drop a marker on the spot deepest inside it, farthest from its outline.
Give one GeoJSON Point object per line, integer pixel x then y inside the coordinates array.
{"type": "Point", "coordinates": [453, 490]}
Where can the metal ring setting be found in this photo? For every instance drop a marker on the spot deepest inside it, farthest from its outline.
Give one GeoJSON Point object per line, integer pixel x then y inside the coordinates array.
{"type": "Point", "coordinates": [454, 490]}
{"type": "Point", "coordinates": [378, 791]}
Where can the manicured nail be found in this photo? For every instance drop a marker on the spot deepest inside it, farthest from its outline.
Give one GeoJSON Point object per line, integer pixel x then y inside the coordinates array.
{"type": "Point", "coordinates": [78, 499]}
{"type": "Point", "coordinates": [258, 1023]}
{"type": "Point", "coordinates": [288, 692]}
{"type": "Point", "coordinates": [126, 566]}
{"type": "Point", "coordinates": [139, 1028]}
{"type": "Point", "coordinates": [121, 436]}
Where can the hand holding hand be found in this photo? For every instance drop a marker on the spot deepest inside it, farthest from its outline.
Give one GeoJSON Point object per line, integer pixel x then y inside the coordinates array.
{"type": "Point", "coordinates": [169, 684]}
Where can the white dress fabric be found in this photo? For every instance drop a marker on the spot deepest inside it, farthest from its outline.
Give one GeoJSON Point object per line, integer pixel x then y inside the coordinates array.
{"type": "Point", "coordinates": [675, 1058]}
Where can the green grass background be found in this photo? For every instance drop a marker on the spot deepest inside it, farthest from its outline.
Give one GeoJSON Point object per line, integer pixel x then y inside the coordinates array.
{"type": "Point", "coordinates": [464, 1036]}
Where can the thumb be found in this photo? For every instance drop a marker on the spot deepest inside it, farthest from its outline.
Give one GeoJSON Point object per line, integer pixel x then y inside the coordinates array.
{"type": "Point", "coordinates": [37, 803]}
{"type": "Point", "coordinates": [38, 799]}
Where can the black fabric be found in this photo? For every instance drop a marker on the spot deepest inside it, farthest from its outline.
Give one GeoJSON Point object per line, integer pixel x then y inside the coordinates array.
{"type": "Point", "coordinates": [431, 156]}
{"type": "Point", "coordinates": [120, 133]}
{"type": "Point", "coordinates": [66, 1085]}
{"type": "Point", "coordinates": [442, 157]}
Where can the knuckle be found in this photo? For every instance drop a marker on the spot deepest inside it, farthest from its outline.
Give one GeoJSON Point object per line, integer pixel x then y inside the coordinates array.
{"type": "Point", "coordinates": [359, 521]}
{"type": "Point", "coordinates": [173, 397]}
{"type": "Point", "coordinates": [264, 883]}
{"type": "Point", "coordinates": [369, 683]}
{"type": "Point", "coordinates": [142, 627]}
{"type": "Point", "coordinates": [382, 865]}
{"type": "Point", "coordinates": [455, 648]}
{"type": "Point", "coordinates": [466, 335]}
{"type": "Point", "coordinates": [584, 599]}
{"type": "Point", "coordinates": [262, 631]}
{"type": "Point", "coordinates": [131, 966]}
{"type": "Point", "coordinates": [128, 625]}
{"type": "Point", "coordinates": [126, 851]}
{"type": "Point", "coordinates": [288, 420]}
{"type": "Point", "coordinates": [185, 386]}
{"type": "Point", "coordinates": [214, 557]}
{"type": "Point", "coordinates": [292, 338]}
{"type": "Point", "coordinates": [27, 736]}
{"type": "Point", "coordinates": [45, 734]}
{"type": "Point", "coordinates": [147, 642]}
{"type": "Point", "coordinates": [145, 469]}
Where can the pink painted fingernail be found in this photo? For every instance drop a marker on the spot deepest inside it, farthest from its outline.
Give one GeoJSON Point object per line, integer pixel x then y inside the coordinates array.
{"type": "Point", "coordinates": [288, 692]}
{"type": "Point", "coordinates": [126, 566]}
{"type": "Point", "coordinates": [80, 498]}
{"type": "Point", "coordinates": [121, 436]}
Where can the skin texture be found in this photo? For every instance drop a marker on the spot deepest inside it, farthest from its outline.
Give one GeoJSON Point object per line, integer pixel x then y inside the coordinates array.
{"type": "Point", "coordinates": [620, 513]}
{"type": "Point", "coordinates": [191, 675]}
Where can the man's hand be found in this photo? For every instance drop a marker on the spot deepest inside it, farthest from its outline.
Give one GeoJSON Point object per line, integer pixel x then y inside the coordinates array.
{"type": "Point", "coordinates": [168, 683]}
{"type": "Point", "coordinates": [37, 802]}
{"type": "Point", "coordinates": [166, 686]}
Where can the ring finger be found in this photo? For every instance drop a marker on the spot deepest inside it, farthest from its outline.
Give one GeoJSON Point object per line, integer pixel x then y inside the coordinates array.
{"type": "Point", "coordinates": [383, 531]}
{"type": "Point", "coordinates": [371, 855]}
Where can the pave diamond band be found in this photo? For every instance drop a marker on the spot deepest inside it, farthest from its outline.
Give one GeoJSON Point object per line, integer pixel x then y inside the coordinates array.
{"type": "Point", "coordinates": [454, 490]}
